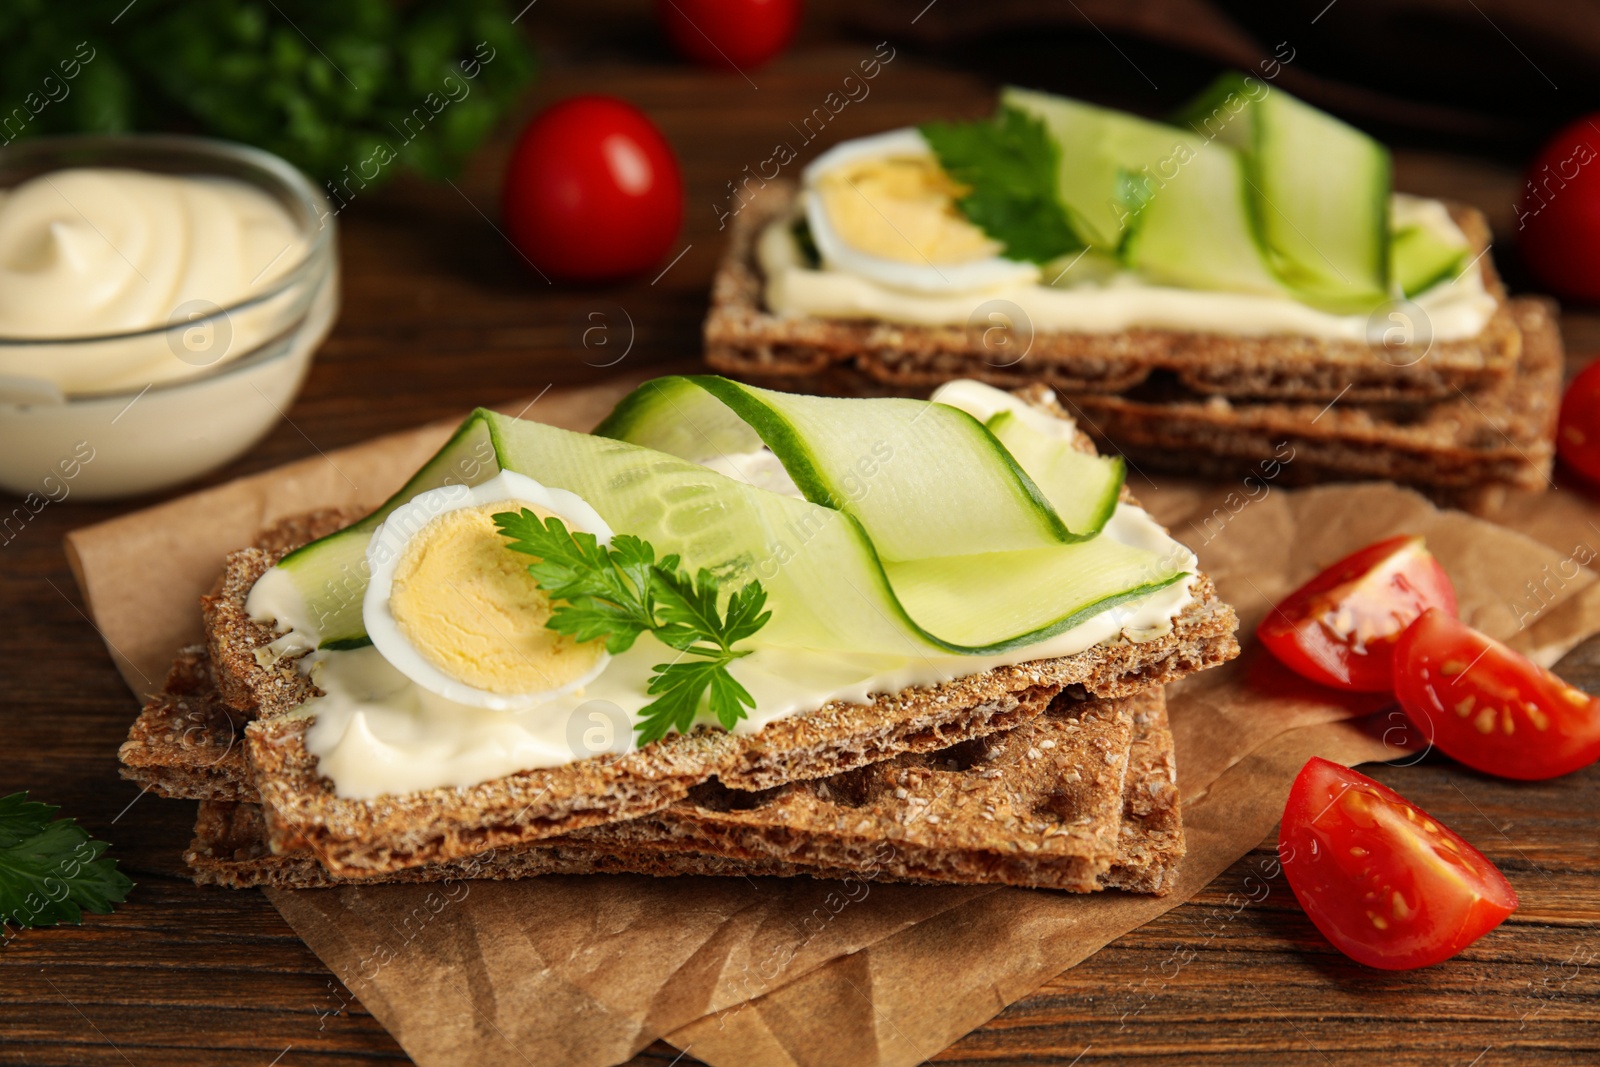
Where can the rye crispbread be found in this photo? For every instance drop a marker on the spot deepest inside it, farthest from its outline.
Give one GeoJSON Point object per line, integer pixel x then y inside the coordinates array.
{"type": "Point", "coordinates": [1500, 434]}
{"type": "Point", "coordinates": [743, 337]}
{"type": "Point", "coordinates": [441, 824]}
{"type": "Point", "coordinates": [437, 825]}
{"type": "Point", "coordinates": [186, 742]}
{"type": "Point", "coordinates": [1014, 808]}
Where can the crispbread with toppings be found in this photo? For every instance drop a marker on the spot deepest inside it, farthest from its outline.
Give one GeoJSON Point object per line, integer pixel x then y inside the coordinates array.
{"type": "Point", "coordinates": [744, 337]}
{"type": "Point", "coordinates": [303, 811]}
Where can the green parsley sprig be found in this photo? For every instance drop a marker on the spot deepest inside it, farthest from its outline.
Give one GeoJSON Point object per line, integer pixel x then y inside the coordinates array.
{"type": "Point", "coordinates": [52, 871]}
{"type": "Point", "coordinates": [1008, 164]}
{"type": "Point", "coordinates": [618, 591]}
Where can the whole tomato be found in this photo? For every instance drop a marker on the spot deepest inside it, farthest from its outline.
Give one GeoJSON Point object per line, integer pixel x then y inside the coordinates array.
{"type": "Point", "coordinates": [732, 34]}
{"type": "Point", "coordinates": [593, 191]}
{"type": "Point", "coordinates": [1558, 221]}
{"type": "Point", "coordinates": [1578, 438]}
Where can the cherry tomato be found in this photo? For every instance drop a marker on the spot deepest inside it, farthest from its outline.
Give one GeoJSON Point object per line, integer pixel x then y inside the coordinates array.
{"type": "Point", "coordinates": [1382, 880]}
{"type": "Point", "coordinates": [1558, 221]}
{"type": "Point", "coordinates": [731, 34]}
{"type": "Point", "coordinates": [1489, 707]}
{"type": "Point", "coordinates": [1339, 628]}
{"type": "Point", "coordinates": [592, 191]}
{"type": "Point", "coordinates": [1578, 440]}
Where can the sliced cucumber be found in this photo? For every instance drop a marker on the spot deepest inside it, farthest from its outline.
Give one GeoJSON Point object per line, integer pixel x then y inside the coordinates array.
{"type": "Point", "coordinates": [1197, 230]}
{"type": "Point", "coordinates": [827, 586]}
{"type": "Point", "coordinates": [1220, 112]}
{"type": "Point", "coordinates": [1082, 487]}
{"type": "Point", "coordinates": [1319, 190]}
{"type": "Point", "coordinates": [1077, 581]}
{"type": "Point", "coordinates": [1174, 206]}
{"type": "Point", "coordinates": [923, 479]}
{"type": "Point", "coordinates": [1097, 146]}
{"type": "Point", "coordinates": [1419, 259]}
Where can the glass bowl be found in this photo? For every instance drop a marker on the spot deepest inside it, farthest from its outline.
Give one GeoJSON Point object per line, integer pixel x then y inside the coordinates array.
{"type": "Point", "coordinates": [218, 378]}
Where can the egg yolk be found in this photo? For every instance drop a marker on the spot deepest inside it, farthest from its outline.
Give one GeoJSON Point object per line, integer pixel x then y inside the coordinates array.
{"type": "Point", "coordinates": [468, 606]}
{"type": "Point", "coordinates": [902, 208]}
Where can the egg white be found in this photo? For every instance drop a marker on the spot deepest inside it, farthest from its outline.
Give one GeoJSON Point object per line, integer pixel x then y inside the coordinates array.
{"type": "Point", "coordinates": [990, 272]}
{"type": "Point", "coordinates": [389, 543]}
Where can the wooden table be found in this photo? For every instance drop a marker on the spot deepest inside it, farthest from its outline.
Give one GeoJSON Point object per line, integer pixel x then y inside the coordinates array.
{"type": "Point", "coordinates": [440, 315]}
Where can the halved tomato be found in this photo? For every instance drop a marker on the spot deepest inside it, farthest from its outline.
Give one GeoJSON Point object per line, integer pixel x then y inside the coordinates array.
{"type": "Point", "coordinates": [1490, 707]}
{"type": "Point", "coordinates": [1386, 883]}
{"type": "Point", "coordinates": [1339, 628]}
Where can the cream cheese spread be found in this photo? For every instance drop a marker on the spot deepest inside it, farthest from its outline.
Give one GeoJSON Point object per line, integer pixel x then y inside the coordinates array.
{"type": "Point", "coordinates": [376, 732]}
{"type": "Point", "coordinates": [1455, 309]}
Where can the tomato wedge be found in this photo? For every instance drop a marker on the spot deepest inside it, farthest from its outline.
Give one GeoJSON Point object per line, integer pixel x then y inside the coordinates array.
{"type": "Point", "coordinates": [1339, 628]}
{"type": "Point", "coordinates": [1489, 707]}
{"type": "Point", "coordinates": [1382, 880]}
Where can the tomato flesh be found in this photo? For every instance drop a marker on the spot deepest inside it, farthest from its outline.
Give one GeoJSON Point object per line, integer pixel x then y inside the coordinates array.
{"type": "Point", "coordinates": [1389, 885]}
{"type": "Point", "coordinates": [593, 191]}
{"type": "Point", "coordinates": [1490, 707]}
{"type": "Point", "coordinates": [1578, 436]}
{"type": "Point", "coordinates": [1340, 627]}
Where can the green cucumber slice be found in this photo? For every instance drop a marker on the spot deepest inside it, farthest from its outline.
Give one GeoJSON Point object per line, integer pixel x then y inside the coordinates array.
{"type": "Point", "coordinates": [1197, 230]}
{"type": "Point", "coordinates": [1320, 190]}
{"type": "Point", "coordinates": [827, 586]}
{"type": "Point", "coordinates": [1419, 259]}
{"type": "Point", "coordinates": [922, 479]}
{"type": "Point", "coordinates": [1097, 145]}
{"type": "Point", "coordinates": [1175, 207]}
{"type": "Point", "coordinates": [1083, 488]}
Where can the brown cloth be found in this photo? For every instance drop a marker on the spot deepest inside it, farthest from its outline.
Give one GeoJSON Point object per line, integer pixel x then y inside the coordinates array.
{"type": "Point", "coordinates": [1487, 74]}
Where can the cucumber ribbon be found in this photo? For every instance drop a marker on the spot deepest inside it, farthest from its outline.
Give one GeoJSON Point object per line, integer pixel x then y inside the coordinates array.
{"type": "Point", "coordinates": [923, 530]}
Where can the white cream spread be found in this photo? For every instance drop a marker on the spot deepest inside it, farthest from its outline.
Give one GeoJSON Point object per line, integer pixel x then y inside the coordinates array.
{"type": "Point", "coordinates": [376, 732]}
{"type": "Point", "coordinates": [88, 252]}
{"type": "Point", "coordinates": [1456, 309]}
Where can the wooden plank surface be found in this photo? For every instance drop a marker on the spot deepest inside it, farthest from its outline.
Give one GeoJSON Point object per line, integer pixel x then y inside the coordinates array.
{"type": "Point", "coordinates": [440, 315]}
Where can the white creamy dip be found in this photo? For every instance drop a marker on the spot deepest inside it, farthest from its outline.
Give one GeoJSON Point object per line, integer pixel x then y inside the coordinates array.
{"type": "Point", "coordinates": [1456, 309]}
{"type": "Point", "coordinates": [88, 252]}
{"type": "Point", "coordinates": [376, 732]}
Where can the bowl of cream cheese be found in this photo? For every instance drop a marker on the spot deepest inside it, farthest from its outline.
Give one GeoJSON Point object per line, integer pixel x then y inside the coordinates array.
{"type": "Point", "coordinates": [160, 302]}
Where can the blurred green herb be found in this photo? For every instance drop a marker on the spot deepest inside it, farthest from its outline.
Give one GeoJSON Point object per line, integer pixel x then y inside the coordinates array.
{"type": "Point", "coordinates": [51, 870]}
{"type": "Point", "coordinates": [369, 85]}
{"type": "Point", "coordinates": [1008, 164]}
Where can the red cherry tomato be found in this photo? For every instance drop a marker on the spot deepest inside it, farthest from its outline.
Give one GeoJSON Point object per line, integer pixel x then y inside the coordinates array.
{"type": "Point", "coordinates": [731, 34]}
{"type": "Point", "coordinates": [1578, 440]}
{"type": "Point", "coordinates": [1558, 221]}
{"type": "Point", "coordinates": [1489, 707]}
{"type": "Point", "coordinates": [1382, 880]}
{"type": "Point", "coordinates": [1339, 628]}
{"type": "Point", "coordinates": [593, 191]}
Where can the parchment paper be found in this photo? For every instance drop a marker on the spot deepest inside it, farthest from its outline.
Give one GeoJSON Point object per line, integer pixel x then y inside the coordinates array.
{"type": "Point", "coordinates": [585, 971]}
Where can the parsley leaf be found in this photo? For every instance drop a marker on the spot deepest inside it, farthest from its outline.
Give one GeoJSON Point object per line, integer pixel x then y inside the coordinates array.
{"type": "Point", "coordinates": [1009, 164]}
{"type": "Point", "coordinates": [52, 871]}
{"type": "Point", "coordinates": [601, 587]}
{"type": "Point", "coordinates": [351, 92]}
{"type": "Point", "coordinates": [619, 591]}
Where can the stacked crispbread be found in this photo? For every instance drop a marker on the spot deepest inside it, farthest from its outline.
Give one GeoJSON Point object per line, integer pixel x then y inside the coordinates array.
{"type": "Point", "coordinates": [1056, 773]}
{"type": "Point", "coordinates": [1456, 418]}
